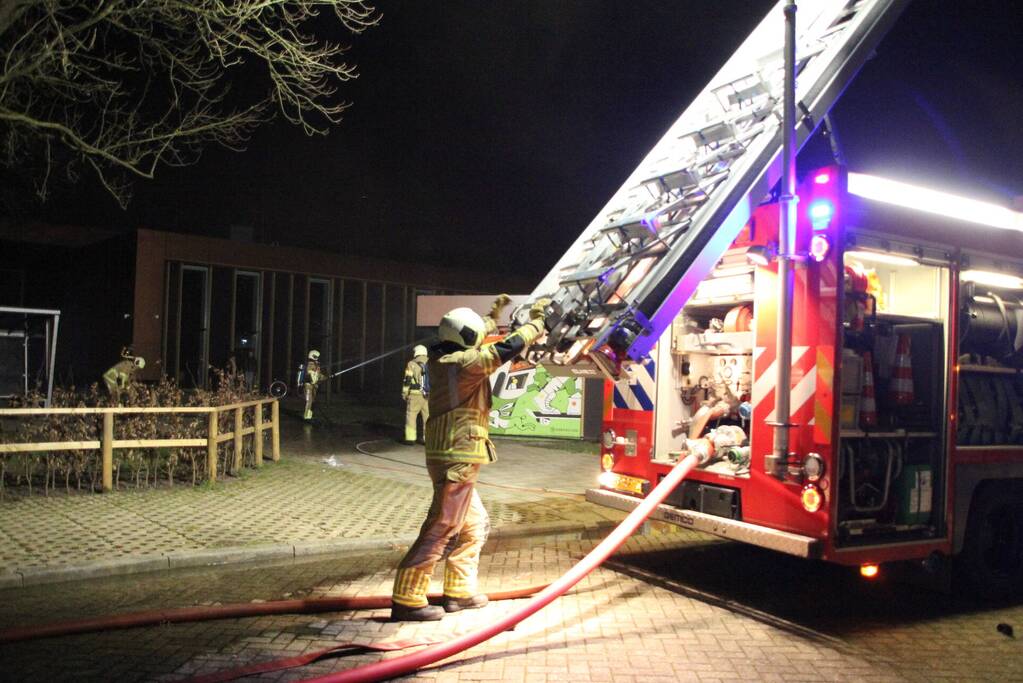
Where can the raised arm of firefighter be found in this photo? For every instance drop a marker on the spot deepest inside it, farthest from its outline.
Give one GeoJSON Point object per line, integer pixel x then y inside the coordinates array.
{"type": "Point", "coordinates": [491, 319]}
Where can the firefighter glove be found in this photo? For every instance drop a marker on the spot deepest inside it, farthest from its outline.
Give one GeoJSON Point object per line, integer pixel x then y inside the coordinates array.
{"type": "Point", "coordinates": [539, 309]}
{"type": "Point", "coordinates": [500, 302]}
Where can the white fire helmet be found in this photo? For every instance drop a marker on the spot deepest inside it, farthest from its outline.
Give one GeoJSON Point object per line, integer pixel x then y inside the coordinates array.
{"type": "Point", "coordinates": [462, 326]}
{"type": "Point", "coordinates": [140, 362]}
{"type": "Point", "coordinates": [418, 350]}
{"type": "Point", "coordinates": [314, 355]}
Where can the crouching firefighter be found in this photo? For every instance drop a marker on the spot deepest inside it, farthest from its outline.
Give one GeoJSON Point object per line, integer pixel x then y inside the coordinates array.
{"type": "Point", "coordinates": [120, 375]}
{"type": "Point", "coordinates": [416, 391]}
{"type": "Point", "coordinates": [457, 444]}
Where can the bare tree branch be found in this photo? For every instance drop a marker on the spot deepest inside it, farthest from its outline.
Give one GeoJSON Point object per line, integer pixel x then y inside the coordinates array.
{"type": "Point", "coordinates": [122, 87]}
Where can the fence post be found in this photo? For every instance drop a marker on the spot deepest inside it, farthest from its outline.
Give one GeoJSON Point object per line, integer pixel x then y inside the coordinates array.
{"type": "Point", "coordinates": [108, 451]}
{"type": "Point", "coordinates": [237, 441]}
{"type": "Point", "coordinates": [275, 430]}
{"type": "Point", "coordinates": [257, 435]}
{"type": "Point", "coordinates": [211, 445]}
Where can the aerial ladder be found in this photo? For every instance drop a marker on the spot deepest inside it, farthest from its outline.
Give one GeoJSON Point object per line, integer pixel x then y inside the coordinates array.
{"type": "Point", "coordinates": [630, 272]}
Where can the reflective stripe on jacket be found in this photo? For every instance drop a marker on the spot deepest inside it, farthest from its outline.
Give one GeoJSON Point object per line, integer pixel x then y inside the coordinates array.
{"type": "Point", "coordinates": [459, 425]}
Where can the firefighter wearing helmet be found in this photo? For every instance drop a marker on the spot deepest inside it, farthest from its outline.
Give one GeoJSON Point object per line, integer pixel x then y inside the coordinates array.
{"type": "Point", "coordinates": [457, 444]}
{"type": "Point", "coordinates": [416, 390]}
{"type": "Point", "coordinates": [312, 375]}
{"type": "Point", "coordinates": [118, 377]}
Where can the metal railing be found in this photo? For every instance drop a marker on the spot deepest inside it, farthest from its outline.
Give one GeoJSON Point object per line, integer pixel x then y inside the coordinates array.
{"type": "Point", "coordinates": [107, 443]}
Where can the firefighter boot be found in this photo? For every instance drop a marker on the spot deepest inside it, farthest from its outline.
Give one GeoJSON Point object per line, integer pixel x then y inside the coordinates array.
{"type": "Point", "coordinates": [400, 612]}
{"type": "Point", "coordinates": [471, 602]}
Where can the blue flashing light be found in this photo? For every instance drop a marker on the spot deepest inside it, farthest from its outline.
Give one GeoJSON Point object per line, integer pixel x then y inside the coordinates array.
{"type": "Point", "coordinates": [821, 212]}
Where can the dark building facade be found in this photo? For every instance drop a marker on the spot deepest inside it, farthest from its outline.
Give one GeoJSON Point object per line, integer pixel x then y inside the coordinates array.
{"type": "Point", "coordinates": [188, 304]}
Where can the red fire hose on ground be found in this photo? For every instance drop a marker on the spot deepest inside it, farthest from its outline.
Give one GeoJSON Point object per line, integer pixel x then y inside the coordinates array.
{"type": "Point", "coordinates": [389, 668]}
{"type": "Point", "coordinates": [234, 611]}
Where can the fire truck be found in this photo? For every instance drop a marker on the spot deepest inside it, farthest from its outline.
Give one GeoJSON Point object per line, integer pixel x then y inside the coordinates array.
{"type": "Point", "coordinates": [844, 352]}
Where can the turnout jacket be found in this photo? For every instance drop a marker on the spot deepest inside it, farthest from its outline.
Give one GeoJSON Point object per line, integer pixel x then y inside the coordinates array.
{"type": "Point", "coordinates": [459, 426]}
{"type": "Point", "coordinates": [121, 373]}
{"type": "Point", "coordinates": [415, 379]}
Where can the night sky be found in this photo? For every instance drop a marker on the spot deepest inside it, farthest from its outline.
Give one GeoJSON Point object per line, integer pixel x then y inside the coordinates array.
{"type": "Point", "coordinates": [490, 133]}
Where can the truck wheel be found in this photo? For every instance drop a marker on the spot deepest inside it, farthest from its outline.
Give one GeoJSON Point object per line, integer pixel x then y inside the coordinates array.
{"type": "Point", "coordinates": [992, 557]}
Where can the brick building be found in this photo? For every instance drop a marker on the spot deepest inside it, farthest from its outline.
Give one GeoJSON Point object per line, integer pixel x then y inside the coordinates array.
{"type": "Point", "coordinates": [188, 303]}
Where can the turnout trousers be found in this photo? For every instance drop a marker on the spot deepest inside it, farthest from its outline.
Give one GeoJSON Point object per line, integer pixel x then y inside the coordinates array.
{"type": "Point", "coordinates": [310, 396]}
{"type": "Point", "coordinates": [415, 405]}
{"type": "Point", "coordinates": [456, 527]}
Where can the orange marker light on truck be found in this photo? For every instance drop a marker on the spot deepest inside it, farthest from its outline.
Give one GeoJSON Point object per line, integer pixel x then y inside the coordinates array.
{"type": "Point", "coordinates": [811, 498]}
{"type": "Point", "coordinates": [869, 571]}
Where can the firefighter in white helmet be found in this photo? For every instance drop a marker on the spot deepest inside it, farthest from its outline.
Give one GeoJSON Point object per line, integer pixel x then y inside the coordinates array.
{"type": "Point", "coordinates": [457, 444]}
{"type": "Point", "coordinates": [416, 391]}
{"type": "Point", "coordinates": [312, 375]}
{"type": "Point", "coordinates": [118, 377]}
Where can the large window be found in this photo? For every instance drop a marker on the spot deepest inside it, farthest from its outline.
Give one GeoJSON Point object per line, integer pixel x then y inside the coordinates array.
{"type": "Point", "coordinates": [353, 330]}
{"type": "Point", "coordinates": [320, 319]}
{"type": "Point", "coordinates": [283, 369]}
{"type": "Point", "coordinates": [246, 334]}
{"type": "Point", "coordinates": [193, 307]}
{"type": "Point", "coordinates": [266, 322]}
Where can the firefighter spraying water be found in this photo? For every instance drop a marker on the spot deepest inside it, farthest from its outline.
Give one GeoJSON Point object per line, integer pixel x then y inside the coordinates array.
{"type": "Point", "coordinates": [416, 392]}
{"type": "Point", "coordinates": [309, 377]}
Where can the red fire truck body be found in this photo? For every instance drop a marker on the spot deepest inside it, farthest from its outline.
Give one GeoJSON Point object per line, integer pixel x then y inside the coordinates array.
{"type": "Point", "coordinates": [907, 402]}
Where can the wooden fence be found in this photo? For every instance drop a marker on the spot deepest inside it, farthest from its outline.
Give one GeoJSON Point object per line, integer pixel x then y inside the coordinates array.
{"type": "Point", "coordinates": [213, 438]}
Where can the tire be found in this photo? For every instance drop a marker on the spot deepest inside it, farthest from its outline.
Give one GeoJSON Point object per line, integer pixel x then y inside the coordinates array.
{"type": "Point", "coordinates": [991, 563]}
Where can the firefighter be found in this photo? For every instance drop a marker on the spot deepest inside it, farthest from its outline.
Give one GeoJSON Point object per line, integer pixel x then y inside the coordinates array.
{"type": "Point", "coordinates": [118, 377]}
{"type": "Point", "coordinates": [416, 391]}
{"type": "Point", "coordinates": [457, 444]}
{"type": "Point", "coordinates": [311, 377]}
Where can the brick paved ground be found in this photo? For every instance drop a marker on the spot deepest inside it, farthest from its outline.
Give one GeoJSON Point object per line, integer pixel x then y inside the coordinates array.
{"type": "Point", "coordinates": [613, 627]}
{"type": "Point", "coordinates": [676, 606]}
{"type": "Point", "coordinates": [323, 490]}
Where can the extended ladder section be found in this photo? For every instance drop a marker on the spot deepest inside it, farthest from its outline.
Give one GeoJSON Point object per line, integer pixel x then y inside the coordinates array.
{"type": "Point", "coordinates": [632, 270]}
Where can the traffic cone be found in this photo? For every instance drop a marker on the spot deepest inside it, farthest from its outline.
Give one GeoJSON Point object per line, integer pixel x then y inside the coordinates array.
{"type": "Point", "coordinates": [900, 389]}
{"type": "Point", "coordinates": [868, 404]}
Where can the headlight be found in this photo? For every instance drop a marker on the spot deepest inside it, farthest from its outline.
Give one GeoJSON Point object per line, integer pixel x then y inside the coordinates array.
{"type": "Point", "coordinates": [608, 438]}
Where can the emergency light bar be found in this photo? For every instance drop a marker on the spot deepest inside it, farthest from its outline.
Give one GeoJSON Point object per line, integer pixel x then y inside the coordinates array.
{"type": "Point", "coordinates": [934, 201]}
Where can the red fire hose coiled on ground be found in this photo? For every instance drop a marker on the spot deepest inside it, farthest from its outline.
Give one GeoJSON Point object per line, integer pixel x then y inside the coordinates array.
{"type": "Point", "coordinates": [390, 668]}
